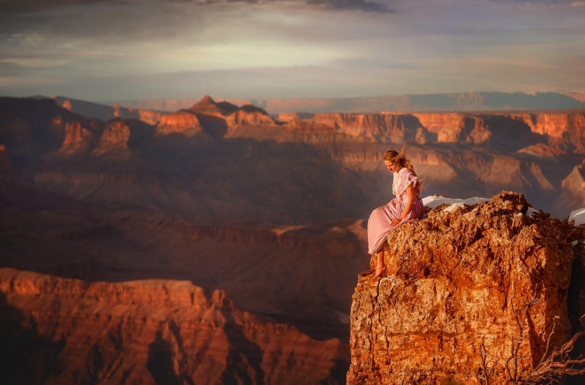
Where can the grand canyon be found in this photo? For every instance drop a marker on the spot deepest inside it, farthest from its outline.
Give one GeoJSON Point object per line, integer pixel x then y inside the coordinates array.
{"type": "Point", "coordinates": [222, 243]}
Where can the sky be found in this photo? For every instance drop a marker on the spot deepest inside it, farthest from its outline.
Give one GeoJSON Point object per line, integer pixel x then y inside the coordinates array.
{"type": "Point", "coordinates": [116, 50]}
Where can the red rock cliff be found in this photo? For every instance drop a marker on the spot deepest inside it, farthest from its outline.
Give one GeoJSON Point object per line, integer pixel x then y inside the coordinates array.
{"type": "Point", "coordinates": [249, 116]}
{"type": "Point", "coordinates": [149, 332]}
{"type": "Point", "coordinates": [479, 285]}
{"type": "Point", "coordinates": [385, 128]}
{"type": "Point", "coordinates": [560, 127]}
{"type": "Point", "coordinates": [114, 137]}
{"type": "Point", "coordinates": [182, 122]}
{"type": "Point", "coordinates": [455, 127]}
{"type": "Point", "coordinates": [77, 138]}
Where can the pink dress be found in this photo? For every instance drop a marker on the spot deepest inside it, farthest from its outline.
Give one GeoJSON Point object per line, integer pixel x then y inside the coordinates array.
{"type": "Point", "coordinates": [381, 218]}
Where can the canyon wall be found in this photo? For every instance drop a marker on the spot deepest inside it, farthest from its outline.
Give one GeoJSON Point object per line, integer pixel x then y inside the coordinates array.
{"type": "Point", "coordinates": [57, 330]}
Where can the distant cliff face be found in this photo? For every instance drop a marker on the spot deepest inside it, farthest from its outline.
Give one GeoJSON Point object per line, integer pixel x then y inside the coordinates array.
{"type": "Point", "coordinates": [556, 129]}
{"type": "Point", "coordinates": [559, 127]}
{"type": "Point", "coordinates": [114, 138]}
{"type": "Point", "coordinates": [468, 101]}
{"type": "Point", "coordinates": [384, 128]}
{"type": "Point", "coordinates": [104, 112]}
{"type": "Point", "coordinates": [251, 117]}
{"type": "Point", "coordinates": [59, 330]}
{"type": "Point", "coordinates": [573, 190]}
{"type": "Point", "coordinates": [477, 286]}
{"type": "Point", "coordinates": [456, 153]}
{"type": "Point", "coordinates": [455, 127]}
{"type": "Point", "coordinates": [77, 138]}
{"type": "Point", "coordinates": [182, 122]}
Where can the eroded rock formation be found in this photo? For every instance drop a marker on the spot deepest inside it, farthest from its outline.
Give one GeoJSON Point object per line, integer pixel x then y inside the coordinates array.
{"type": "Point", "coordinates": [77, 138]}
{"type": "Point", "coordinates": [455, 127]}
{"type": "Point", "coordinates": [208, 106]}
{"type": "Point", "coordinates": [382, 128]}
{"type": "Point", "coordinates": [57, 330]}
{"type": "Point", "coordinates": [181, 122]}
{"type": "Point", "coordinates": [572, 190]}
{"type": "Point", "coordinates": [482, 286]}
{"type": "Point", "coordinates": [114, 138]}
{"type": "Point", "coordinates": [249, 115]}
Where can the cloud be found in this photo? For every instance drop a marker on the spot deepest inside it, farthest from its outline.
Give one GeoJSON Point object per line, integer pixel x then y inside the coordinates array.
{"type": "Point", "coordinates": [11, 7]}
{"type": "Point", "coordinates": [352, 5]}
{"type": "Point", "coordinates": [15, 7]}
{"type": "Point", "coordinates": [107, 50]}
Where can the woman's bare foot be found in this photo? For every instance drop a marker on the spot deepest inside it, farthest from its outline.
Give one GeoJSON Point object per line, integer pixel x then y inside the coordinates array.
{"type": "Point", "coordinates": [379, 272]}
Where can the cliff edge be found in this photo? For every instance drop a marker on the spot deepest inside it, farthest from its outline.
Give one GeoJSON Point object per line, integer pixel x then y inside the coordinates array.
{"type": "Point", "coordinates": [472, 296]}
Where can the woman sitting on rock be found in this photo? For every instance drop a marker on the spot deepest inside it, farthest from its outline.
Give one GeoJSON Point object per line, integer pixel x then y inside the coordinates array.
{"type": "Point", "coordinates": [405, 206]}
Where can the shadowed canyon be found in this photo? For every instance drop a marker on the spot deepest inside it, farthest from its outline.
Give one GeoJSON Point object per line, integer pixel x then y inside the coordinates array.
{"type": "Point", "coordinates": [222, 244]}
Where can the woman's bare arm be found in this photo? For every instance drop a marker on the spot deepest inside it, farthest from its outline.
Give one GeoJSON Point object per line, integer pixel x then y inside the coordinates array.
{"type": "Point", "coordinates": [409, 203]}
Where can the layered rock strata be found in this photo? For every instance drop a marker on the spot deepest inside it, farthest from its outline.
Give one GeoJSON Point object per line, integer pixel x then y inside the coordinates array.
{"type": "Point", "coordinates": [57, 330]}
{"type": "Point", "coordinates": [114, 138]}
{"type": "Point", "coordinates": [471, 294]}
{"type": "Point", "coordinates": [78, 138]}
{"type": "Point", "coordinates": [181, 122]}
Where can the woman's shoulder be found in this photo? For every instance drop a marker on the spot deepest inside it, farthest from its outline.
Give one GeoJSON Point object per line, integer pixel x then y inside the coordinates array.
{"type": "Point", "coordinates": [406, 172]}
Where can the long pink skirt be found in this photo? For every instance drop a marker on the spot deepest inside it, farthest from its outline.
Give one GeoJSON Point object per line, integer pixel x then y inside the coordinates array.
{"type": "Point", "coordinates": [381, 218]}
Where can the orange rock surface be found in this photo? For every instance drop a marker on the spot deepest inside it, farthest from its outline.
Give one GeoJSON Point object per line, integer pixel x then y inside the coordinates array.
{"type": "Point", "coordinates": [114, 137]}
{"type": "Point", "coordinates": [455, 127]}
{"type": "Point", "coordinates": [57, 330]}
{"type": "Point", "coordinates": [251, 116]}
{"type": "Point", "coordinates": [486, 280]}
{"type": "Point", "coordinates": [77, 138]}
{"type": "Point", "coordinates": [181, 122]}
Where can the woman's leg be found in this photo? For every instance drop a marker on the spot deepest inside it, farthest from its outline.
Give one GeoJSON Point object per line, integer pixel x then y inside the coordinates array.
{"type": "Point", "coordinates": [380, 268]}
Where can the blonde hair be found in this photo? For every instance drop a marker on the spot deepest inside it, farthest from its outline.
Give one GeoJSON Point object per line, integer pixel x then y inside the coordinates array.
{"type": "Point", "coordinates": [403, 161]}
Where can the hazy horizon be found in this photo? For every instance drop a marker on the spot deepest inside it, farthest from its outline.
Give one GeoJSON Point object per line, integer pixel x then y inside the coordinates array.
{"type": "Point", "coordinates": [106, 50]}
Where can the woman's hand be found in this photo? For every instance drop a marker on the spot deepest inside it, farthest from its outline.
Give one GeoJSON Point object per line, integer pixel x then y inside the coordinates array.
{"type": "Point", "coordinates": [395, 222]}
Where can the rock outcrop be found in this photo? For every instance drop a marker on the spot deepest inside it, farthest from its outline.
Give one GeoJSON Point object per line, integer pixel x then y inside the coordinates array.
{"type": "Point", "coordinates": [559, 127]}
{"type": "Point", "coordinates": [249, 116]}
{"type": "Point", "coordinates": [208, 106]}
{"type": "Point", "coordinates": [477, 287]}
{"type": "Point", "coordinates": [181, 122]}
{"type": "Point", "coordinates": [542, 150]}
{"type": "Point", "coordinates": [455, 127]}
{"type": "Point", "coordinates": [572, 190]}
{"type": "Point", "coordinates": [57, 330]}
{"type": "Point", "coordinates": [114, 138]}
{"type": "Point", "coordinates": [382, 128]}
{"type": "Point", "coordinates": [77, 138]}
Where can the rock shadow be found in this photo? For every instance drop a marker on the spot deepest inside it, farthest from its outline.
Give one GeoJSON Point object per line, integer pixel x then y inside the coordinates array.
{"type": "Point", "coordinates": [244, 357]}
{"type": "Point", "coordinates": [160, 362]}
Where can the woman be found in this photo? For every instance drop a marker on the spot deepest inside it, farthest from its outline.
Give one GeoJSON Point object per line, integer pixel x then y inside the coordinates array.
{"type": "Point", "coordinates": [407, 205]}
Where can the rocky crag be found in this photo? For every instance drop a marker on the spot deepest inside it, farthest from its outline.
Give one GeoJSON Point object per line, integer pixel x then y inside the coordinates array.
{"type": "Point", "coordinates": [472, 296]}
{"type": "Point", "coordinates": [57, 330]}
